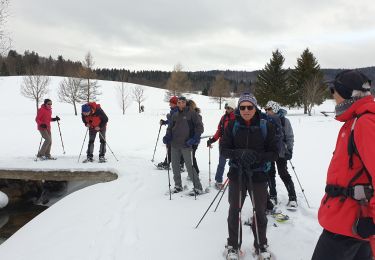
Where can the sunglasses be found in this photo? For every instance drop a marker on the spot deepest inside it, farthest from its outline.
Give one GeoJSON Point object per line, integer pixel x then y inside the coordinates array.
{"type": "Point", "coordinates": [247, 107]}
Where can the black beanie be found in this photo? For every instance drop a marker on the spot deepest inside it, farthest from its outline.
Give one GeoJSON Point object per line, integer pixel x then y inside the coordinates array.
{"type": "Point", "coordinates": [347, 81]}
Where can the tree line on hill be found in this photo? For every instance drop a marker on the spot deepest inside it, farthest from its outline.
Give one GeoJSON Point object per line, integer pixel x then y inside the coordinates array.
{"type": "Point", "coordinates": [301, 86]}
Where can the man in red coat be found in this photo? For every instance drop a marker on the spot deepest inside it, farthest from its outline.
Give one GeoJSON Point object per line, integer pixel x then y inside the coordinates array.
{"type": "Point", "coordinates": [347, 209]}
{"type": "Point", "coordinates": [43, 120]}
{"type": "Point", "coordinates": [96, 120]}
{"type": "Point", "coordinates": [225, 119]}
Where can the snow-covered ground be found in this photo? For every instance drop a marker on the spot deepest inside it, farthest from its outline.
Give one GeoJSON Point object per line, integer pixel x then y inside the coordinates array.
{"type": "Point", "coordinates": [132, 218]}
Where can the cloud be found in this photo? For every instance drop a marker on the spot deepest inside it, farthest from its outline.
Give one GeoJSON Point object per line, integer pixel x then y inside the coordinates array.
{"type": "Point", "coordinates": [202, 35]}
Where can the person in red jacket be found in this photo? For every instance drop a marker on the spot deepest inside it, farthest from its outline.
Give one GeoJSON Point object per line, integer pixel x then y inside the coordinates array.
{"type": "Point", "coordinates": [43, 120]}
{"type": "Point", "coordinates": [347, 210]}
{"type": "Point", "coordinates": [96, 120]}
{"type": "Point", "coordinates": [225, 119]}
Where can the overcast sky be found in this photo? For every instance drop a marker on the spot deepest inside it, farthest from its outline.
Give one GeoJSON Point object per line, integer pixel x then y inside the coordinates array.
{"type": "Point", "coordinates": [199, 34]}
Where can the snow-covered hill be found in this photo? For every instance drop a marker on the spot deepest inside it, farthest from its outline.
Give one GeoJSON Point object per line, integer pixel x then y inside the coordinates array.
{"type": "Point", "coordinates": [132, 218]}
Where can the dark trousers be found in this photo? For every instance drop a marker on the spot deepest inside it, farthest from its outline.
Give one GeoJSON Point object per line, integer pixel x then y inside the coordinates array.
{"type": "Point", "coordinates": [92, 136]}
{"type": "Point", "coordinates": [332, 246]}
{"type": "Point", "coordinates": [282, 170]}
{"type": "Point", "coordinates": [259, 191]}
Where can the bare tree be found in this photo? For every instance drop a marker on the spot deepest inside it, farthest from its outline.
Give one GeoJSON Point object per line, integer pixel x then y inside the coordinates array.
{"type": "Point", "coordinates": [219, 89]}
{"type": "Point", "coordinates": [70, 91]}
{"type": "Point", "coordinates": [90, 86]}
{"type": "Point", "coordinates": [177, 83]}
{"type": "Point", "coordinates": [315, 92]}
{"type": "Point", "coordinates": [35, 87]}
{"type": "Point", "coordinates": [123, 96]}
{"type": "Point", "coordinates": [138, 96]}
{"type": "Point", "coordinates": [4, 38]}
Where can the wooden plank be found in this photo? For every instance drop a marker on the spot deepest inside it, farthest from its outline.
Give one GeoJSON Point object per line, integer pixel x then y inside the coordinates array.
{"type": "Point", "coordinates": [58, 175]}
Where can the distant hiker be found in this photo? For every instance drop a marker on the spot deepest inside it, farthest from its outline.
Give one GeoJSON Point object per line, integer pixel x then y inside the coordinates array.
{"type": "Point", "coordinates": [43, 120]}
{"type": "Point", "coordinates": [347, 209]}
{"type": "Point", "coordinates": [173, 106]}
{"type": "Point", "coordinates": [285, 153]}
{"type": "Point", "coordinates": [249, 142]}
{"type": "Point", "coordinates": [193, 106]}
{"type": "Point", "coordinates": [184, 131]}
{"type": "Point", "coordinates": [96, 120]}
{"type": "Point", "coordinates": [225, 119]}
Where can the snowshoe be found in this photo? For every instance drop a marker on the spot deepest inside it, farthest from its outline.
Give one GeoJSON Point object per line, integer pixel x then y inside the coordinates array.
{"type": "Point", "coordinates": [280, 217]}
{"type": "Point", "coordinates": [162, 166]}
{"type": "Point", "coordinates": [262, 253]}
{"type": "Point", "coordinates": [292, 205]}
{"type": "Point", "coordinates": [87, 160]}
{"type": "Point", "coordinates": [273, 211]}
{"type": "Point", "coordinates": [195, 191]}
{"type": "Point", "coordinates": [177, 189]}
{"type": "Point", "coordinates": [102, 159]}
{"type": "Point", "coordinates": [45, 158]}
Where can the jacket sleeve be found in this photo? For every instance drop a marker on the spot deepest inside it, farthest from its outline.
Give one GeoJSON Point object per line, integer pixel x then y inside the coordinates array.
{"type": "Point", "coordinates": [289, 136]}
{"type": "Point", "coordinates": [271, 151]}
{"type": "Point", "coordinates": [103, 118]}
{"type": "Point", "coordinates": [364, 137]}
{"type": "Point", "coordinates": [218, 131]}
{"type": "Point", "coordinates": [227, 144]}
{"type": "Point", "coordinates": [38, 117]}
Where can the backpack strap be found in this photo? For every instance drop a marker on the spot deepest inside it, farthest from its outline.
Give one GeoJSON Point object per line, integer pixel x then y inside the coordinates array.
{"type": "Point", "coordinates": [263, 127]}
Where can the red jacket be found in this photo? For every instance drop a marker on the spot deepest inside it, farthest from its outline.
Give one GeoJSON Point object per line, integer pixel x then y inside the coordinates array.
{"type": "Point", "coordinates": [339, 216]}
{"type": "Point", "coordinates": [225, 119]}
{"type": "Point", "coordinates": [96, 118]}
{"type": "Point", "coordinates": [44, 117]}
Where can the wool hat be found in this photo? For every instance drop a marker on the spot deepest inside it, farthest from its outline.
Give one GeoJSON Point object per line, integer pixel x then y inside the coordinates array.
{"type": "Point", "coordinates": [247, 97]}
{"type": "Point", "coordinates": [273, 105]}
{"type": "Point", "coordinates": [46, 101]}
{"type": "Point", "coordinates": [86, 108]}
{"type": "Point", "coordinates": [349, 80]}
{"type": "Point", "coordinates": [173, 100]}
{"type": "Point", "coordinates": [231, 103]}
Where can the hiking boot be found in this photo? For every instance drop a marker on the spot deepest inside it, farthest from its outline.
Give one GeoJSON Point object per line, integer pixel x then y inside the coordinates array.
{"type": "Point", "coordinates": [88, 159]}
{"type": "Point", "coordinates": [292, 205]}
{"type": "Point", "coordinates": [232, 254]}
{"type": "Point", "coordinates": [102, 159]}
{"type": "Point", "coordinates": [177, 189]}
{"type": "Point", "coordinates": [263, 253]}
{"type": "Point", "coordinates": [218, 185]}
{"type": "Point", "coordinates": [195, 191]}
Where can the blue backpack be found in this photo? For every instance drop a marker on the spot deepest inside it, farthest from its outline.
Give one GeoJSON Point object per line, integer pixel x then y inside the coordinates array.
{"type": "Point", "coordinates": [264, 119]}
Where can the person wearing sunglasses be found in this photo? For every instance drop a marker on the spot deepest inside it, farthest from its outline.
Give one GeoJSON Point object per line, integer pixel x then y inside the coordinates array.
{"type": "Point", "coordinates": [347, 210]}
{"type": "Point", "coordinates": [43, 120]}
{"type": "Point", "coordinates": [228, 116]}
{"type": "Point", "coordinates": [249, 150]}
{"type": "Point", "coordinates": [285, 153]}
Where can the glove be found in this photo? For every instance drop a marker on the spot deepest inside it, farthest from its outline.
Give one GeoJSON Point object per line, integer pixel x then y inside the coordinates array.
{"type": "Point", "coordinates": [194, 140]}
{"type": "Point", "coordinates": [43, 126]}
{"type": "Point", "coordinates": [365, 227]}
{"type": "Point", "coordinates": [210, 141]}
{"type": "Point", "coordinates": [288, 154]}
{"type": "Point", "coordinates": [163, 122]}
{"type": "Point", "coordinates": [247, 157]}
{"type": "Point", "coordinates": [57, 118]}
{"type": "Point", "coordinates": [167, 139]}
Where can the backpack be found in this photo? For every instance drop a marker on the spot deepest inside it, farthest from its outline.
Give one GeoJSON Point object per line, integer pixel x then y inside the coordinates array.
{"type": "Point", "coordinates": [264, 119]}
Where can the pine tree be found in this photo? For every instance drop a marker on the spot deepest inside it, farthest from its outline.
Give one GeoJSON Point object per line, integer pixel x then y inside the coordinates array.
{"type": "Point", "coordinates": [307, 68]}
{"type": "Point", "coordinates": [4, 70]}
{"type": "Point", "coordinates": [272, 81]}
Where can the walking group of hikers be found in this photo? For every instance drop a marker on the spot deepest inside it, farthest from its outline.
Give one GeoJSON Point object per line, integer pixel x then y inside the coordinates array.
{"type": "Point", "coordinates": [257, 143]}
{"type": "Point", "coordinates": [93, 117]}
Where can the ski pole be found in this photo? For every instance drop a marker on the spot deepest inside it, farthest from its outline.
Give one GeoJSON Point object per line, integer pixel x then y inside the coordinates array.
{"type": "Point", "coordinates": [209, 166]}
{"type": "Point", "coordinates": [169, 178]}
{"type": "Point", "coordinates": [192, 171]}
{"type": "Point", "coordinates": [40, 144]}
{"type": "Point", "coordinates": [87, 129]}
{"type": "Point", "coordinates": [303, 191]}
{"type": "Point", "coordinates": [239, 238]}
{"type": "Point", "coordinates": [62, 143]}
{"type": "Point", "coordinates": [108, 145]}
{"type": "Point", "coordinates": [225, 188]}
{"type": "Point", "coordinates": [210, 205]}
{"type": "Point", "coordinates": [157, 139]}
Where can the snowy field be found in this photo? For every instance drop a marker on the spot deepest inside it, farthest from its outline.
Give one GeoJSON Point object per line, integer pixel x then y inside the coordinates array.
{"type": "Point", "coordinates": [132, 218]}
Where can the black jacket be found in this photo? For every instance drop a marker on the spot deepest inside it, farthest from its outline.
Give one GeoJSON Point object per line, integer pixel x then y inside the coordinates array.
{"type": "Point", "coordinates": [249, 137]}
